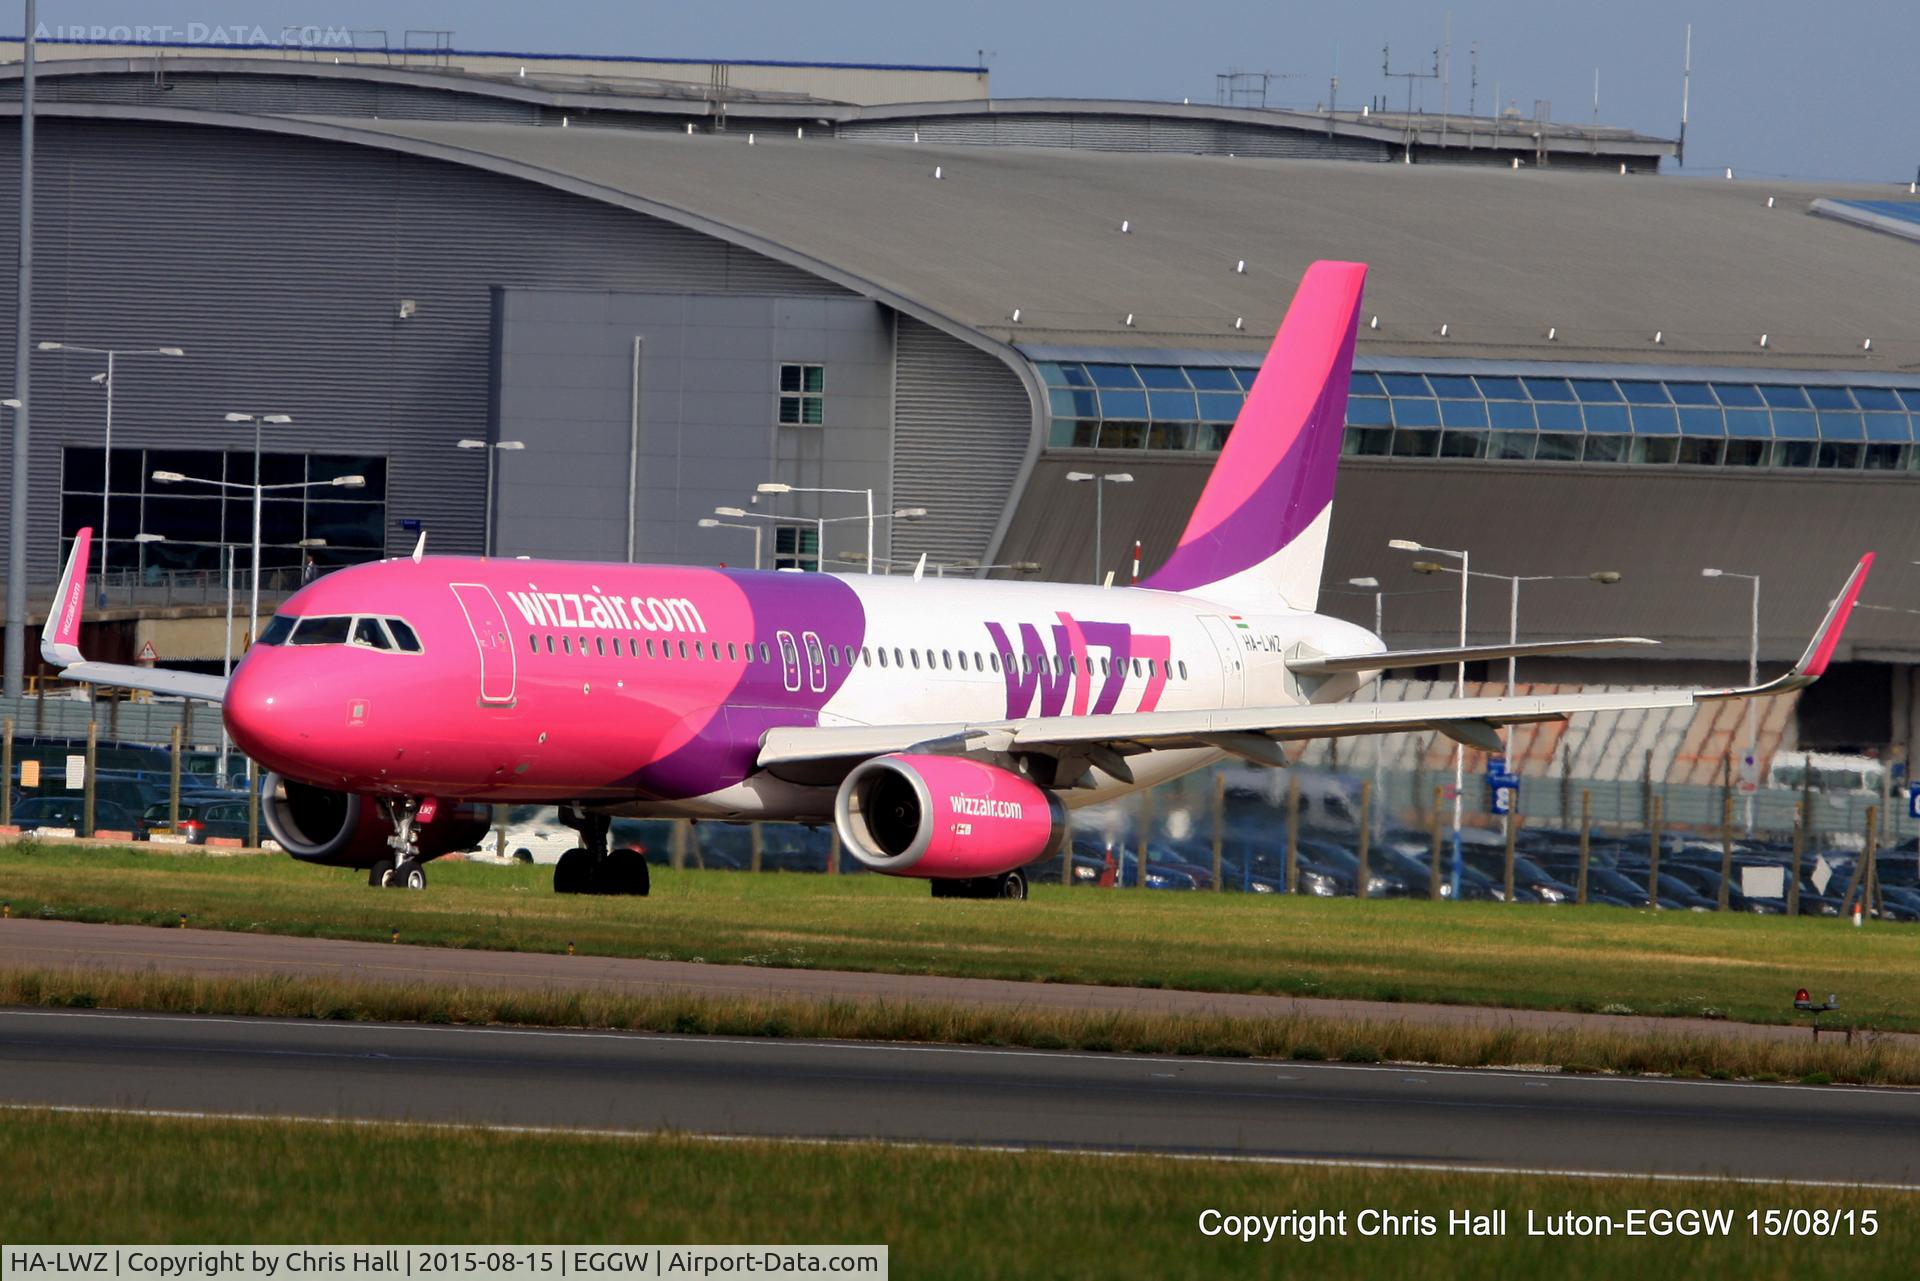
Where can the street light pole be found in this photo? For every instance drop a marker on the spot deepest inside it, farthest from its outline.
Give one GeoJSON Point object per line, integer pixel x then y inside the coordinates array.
{"type": "Point", "coordinates": [1459, 690]}
{"type": "Point", "coordinates": [106, 469]}
{"type": "Point", "coordinates": [1753, 678]}
{"type": "Point", "coordinates": [486, 537]}
{"type": "Point", "coordinates": [259, 421]}
{"type": "Point", "coordinates": [1100, 482]}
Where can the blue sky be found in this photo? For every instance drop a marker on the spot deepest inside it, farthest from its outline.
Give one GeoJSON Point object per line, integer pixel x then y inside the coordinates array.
{"type": "Point", "coordinates": [1809, 90]}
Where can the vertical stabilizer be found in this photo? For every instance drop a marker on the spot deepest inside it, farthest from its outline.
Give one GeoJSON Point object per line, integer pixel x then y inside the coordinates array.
{"type": "Point", "coordinates": [1258, 537]}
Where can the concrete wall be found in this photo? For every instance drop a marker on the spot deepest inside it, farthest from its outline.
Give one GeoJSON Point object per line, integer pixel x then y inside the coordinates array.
{"type": "Point", "coordinates": [707, 430]}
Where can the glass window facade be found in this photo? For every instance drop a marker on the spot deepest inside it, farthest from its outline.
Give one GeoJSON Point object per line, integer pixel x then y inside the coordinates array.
{"type": "Point", "coordinates": [194, 521]}
{"type": "Point", "coordinates": [1644, 421]}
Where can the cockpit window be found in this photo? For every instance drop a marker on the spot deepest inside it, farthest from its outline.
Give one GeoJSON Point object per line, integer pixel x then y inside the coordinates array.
{"type": "Point", "coordinates": [278, 629]}
{"type": "Point", "coordinates": [321, 631]}
{"type": "Point", "coordinates": [368, 632]}
{"type": "Point", "coordinates": [403, 636]}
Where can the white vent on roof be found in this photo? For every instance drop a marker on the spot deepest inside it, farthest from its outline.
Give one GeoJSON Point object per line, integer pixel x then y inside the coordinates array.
{"type": "Point", "coordinates": [1239, 322]}
{"type": "Point", "coordinates": [689, 128]}
{"type": "Point", "coordinates": [1126, 227]}
{"type": "Point", "coordinates": [750, 141]}
{"type": "Point", "coordinates": [937, 173]}
{"type": "Point", "coordinates": [1659, 337]}
{"type": "Point", "coordinates": [1240, 267]}
{"type": "Point", "coordinates": [916, 135]}
{"type": "Point", "coordinates": [1763, 340]}
{"type": "Point", "coordinates": [1016, 315]}
{"type": "Point", "coordinates": [564, 122]}
{"type": "Point", "coordinates": [1729, 172]}
{"type": "Point", "coordinates": [1769, 202]}
{"type": "Point", "coordinates": [1129, 320]}
{"type": "Point", "coordinates": [1866, 345]}
{"type": "Point", "coordinates": [1623, 166]}
{"type": "Point", "coordinates": [1443, 330]}
{"type": "Point", "coordinates": [1553, 333]}
{"type": "Point", "coordinates": [1374, 323]}
{"type": "Point", "coordinates": [800, 131]}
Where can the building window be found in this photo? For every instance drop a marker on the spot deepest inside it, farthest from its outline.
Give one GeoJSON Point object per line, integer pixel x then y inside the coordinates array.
{"type": "Point", "coordinates": [796, 547]}
{"type": "Point", "coordinates": [307, 525]}
{"type": "Point", "coordinates": [802, 395]}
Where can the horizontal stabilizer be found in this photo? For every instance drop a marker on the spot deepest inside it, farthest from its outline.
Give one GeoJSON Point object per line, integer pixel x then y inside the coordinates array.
{"type": "Point", "coordinates": [1327, 665]}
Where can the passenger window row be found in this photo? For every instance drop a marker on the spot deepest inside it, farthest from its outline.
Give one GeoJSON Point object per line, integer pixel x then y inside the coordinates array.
{"type": "Point", "coordinates": [846, 656]}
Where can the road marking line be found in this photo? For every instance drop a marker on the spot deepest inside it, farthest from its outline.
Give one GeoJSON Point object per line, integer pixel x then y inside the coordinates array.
{"type": "Point", "coordinates": [1344, 1163]}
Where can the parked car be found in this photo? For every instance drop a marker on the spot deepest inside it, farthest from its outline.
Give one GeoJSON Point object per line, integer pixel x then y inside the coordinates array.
{"type": "Point", "coordinates": [36, 812]}
{"type": "Point", "coordinates": [201, 816]}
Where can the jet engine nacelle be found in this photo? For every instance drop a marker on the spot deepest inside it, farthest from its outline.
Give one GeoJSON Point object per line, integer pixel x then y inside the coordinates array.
{"type": "Point", "coordinates": [346, 829]}
{"type": "Point", "coordinates": [944, 817]}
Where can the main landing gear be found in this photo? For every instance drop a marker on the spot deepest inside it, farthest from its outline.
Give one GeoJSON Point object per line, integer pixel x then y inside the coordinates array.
{"type": "Point", "coordinates": [1006, 885]}
{"type": "Point", "coordinates": [404, 868]}
{"type": "Point", "coordinates": [593, 868]}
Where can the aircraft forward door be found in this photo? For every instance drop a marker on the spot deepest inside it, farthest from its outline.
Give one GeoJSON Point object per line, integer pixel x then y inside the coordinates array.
{"type": "Point", "coordinates": [1233, 662]}
{"type": "Point", "coordinates": [498, 664]}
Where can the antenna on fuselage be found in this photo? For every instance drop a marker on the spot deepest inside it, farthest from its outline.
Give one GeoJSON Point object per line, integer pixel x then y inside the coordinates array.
{"type": "Point", "coordinates": [420, 547]}
{"type": "Point", "coordinates": [920, 567]}
{"type": "Point", "coordinates": [1109, 581]}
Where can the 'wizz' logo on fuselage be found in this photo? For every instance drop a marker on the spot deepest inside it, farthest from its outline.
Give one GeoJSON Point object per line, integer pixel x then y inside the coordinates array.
{"type": "Point", "coordinates": [1058, 674]}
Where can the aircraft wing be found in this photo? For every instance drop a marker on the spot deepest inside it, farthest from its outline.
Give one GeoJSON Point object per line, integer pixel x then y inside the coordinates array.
{"type": "Point", "coordinates": [1255, 733]}
{"type": "Point", "coordinates": [1389, 659]}
{"type": "Point", "coordinates": [60, 643]}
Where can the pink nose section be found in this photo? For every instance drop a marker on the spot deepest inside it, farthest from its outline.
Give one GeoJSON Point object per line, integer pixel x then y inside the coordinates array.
{"type": "Point", "coordinates": [261, 717]}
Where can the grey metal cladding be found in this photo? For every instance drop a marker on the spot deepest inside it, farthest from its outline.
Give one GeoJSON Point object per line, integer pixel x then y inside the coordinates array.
{"type": "Point", "coordinates": [152, 234]}
{"type": "Point", "coordinates": [279, 95]}
{"type": "Point", "coordinates": [962, 420]}
{"type": "Point", "coordinates": [1095, 132]}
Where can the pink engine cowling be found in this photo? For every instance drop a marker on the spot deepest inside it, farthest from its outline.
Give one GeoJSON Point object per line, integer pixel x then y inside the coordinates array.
{"type": "Point", "coordinates": [944, 817]}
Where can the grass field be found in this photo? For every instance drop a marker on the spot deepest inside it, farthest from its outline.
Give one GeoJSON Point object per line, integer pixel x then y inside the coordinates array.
{"type": "Point", "coordinates": [1591, 959]}
{"type": "Point", "coordinates": [1869, 1060]}
{"type": "Point", "coordinates": [942, 1212]}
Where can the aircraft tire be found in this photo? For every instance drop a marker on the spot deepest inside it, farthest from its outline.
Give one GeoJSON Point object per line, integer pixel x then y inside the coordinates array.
{"type": "Point", "coordinates": [573, 874]}
{"type": "Point", "coordinates": [379, 873]}
{"type": "Point", "coordinates": [624, 871]}
{"type": "Point", "coordinates": [1012, 885]}
{"type": "Point", "coordinates": [411, 874]}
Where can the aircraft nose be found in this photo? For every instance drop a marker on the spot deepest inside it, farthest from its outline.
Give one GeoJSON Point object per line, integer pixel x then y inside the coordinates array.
{"type": "Point", "coordinates": [264, 713]}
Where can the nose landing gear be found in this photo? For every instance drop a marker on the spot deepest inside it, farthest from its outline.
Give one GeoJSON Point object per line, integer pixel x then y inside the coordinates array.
{"type": "Point", "coordinates": [594, 868]}
{"type": "Point", "coordinates": [405, 869]}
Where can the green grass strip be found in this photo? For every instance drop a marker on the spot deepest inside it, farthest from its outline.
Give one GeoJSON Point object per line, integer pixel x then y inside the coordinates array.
{"type": "Point", "coordinates": [942, 1212]}
{"type": "Point", "coordinates": [1583, 959]}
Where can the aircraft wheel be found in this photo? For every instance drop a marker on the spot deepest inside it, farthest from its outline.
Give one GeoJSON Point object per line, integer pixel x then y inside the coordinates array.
{"type": "Point", "coordinates": [380, 873]}
{"type": "Point", "coordinates": [411, 874]}
{"type": "Point", "coordinates": [573, 874]}
{"type": "Point", "coordinates": [624, 871]}
{"type": "Point", "coordinates": [1013, 885]}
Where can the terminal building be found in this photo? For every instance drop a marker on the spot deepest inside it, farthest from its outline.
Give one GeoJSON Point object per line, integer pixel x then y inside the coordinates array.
{"type": "Point", "coordinates": [663, 284]}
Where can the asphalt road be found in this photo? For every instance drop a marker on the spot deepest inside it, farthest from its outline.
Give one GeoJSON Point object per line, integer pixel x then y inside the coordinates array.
{"type": "Point", "coordinates": [939, 1094]}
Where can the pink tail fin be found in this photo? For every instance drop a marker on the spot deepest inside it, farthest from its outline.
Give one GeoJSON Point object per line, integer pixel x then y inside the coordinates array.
{"type": "Point", "coordinates": [1259, 533]}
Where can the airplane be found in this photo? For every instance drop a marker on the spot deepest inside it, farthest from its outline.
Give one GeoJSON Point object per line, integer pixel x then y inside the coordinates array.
{"type": "Point", "coordinates": [946, 727]}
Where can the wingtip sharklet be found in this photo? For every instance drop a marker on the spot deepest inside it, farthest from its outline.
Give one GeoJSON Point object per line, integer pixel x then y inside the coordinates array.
{"type": "Point", "coordinates": [1820, 650]}
{"type": "Point", "coordinates": [60, 638]}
